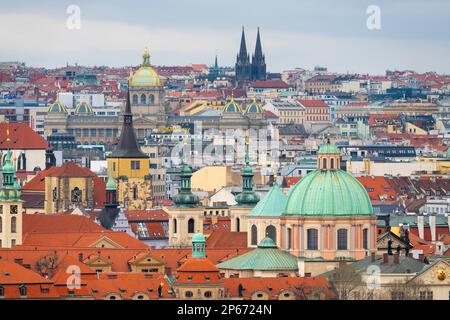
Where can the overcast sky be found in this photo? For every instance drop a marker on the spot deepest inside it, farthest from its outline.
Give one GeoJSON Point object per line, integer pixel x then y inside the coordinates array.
{"type": "Point", "coordinates": [414, 34]}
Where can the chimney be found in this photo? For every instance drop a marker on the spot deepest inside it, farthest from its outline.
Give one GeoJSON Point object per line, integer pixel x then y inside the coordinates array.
{"type": "Point", "coordinates": [301, 267]}
{"type": "Point", "coordinates": [385, 258]}
{"type": "Point", "coordinates": [396, 258]}
{"type": "Point", "coordinates": [372, 256]}
{"type": "Point", "coordinates": [420, 226]}
{"type": "Point", "coordinates": [432, 223]}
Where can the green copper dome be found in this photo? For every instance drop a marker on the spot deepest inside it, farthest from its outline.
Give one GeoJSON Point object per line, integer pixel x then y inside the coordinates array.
{"type": "Point", "coordinates": [8, 167]}
{"type": "Point", "coordinates": [328, 148]}
{"type": "Point", "coordinates": [265, 257]}
{"type": "Point", "coordinates": [232, 107]}
{"type": "Point", "coordinates": [272, 205]}
{"type": "Point", "coordinates": [57, 107]}
{"type": "Point", "coordinates": [254, 107]}
{"type": "Point", "coordinates": [84, 108]}
{"type": "Point", "coordinates": [185, 198]}
{"type": "Point", "coordinates": [247, 197]}
{"type": "Point", "coordinates": [328, 192]}
{"type": "Point", "coordinates": [198, 237]}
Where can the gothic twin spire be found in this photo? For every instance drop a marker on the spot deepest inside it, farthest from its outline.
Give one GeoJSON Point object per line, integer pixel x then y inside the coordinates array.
{"type": "Point", "coordinates": [254, 70]}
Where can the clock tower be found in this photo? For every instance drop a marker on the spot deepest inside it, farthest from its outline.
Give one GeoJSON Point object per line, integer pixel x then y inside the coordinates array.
{"type": "Point", "coordinates": [10, 205]}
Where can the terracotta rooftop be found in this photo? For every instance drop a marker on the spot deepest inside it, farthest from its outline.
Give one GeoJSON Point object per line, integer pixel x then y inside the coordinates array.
{"type": "Point", "coordinates": [21, 137]}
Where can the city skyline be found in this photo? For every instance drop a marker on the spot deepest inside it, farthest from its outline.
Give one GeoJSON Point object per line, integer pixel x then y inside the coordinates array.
{"type": "Point", "coordinates": [303, 36]}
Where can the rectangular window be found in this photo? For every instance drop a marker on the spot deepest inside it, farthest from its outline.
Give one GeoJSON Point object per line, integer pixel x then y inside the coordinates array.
{"type": "Point", "coordinates": [135, 165]}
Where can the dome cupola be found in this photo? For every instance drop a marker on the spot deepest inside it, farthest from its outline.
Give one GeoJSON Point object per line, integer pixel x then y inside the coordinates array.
{"type": "Point", "coordinates": [232, 107]}
{"type": "Point", "coordinates": [145, 76]}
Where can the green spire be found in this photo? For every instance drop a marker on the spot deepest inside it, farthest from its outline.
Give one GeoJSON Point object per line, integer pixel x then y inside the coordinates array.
{"type": "Point", "coordinates": [185, 198]}
{"type": "Point", "coordinates": [111, 183]}
{"type": "Point", "coordinates": [247, 197]}
{"type": "Point", "coordinates": [198, 245]}
{"type": "Point", "coordinates": [11, 188]}
{"type": "Point", "coordinates": [8, 171]}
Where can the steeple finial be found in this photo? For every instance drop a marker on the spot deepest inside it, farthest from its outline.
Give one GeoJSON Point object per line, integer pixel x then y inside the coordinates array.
{"type": "Point", "coordinates": [258, 47]}
{"type": "Point", "coordinates": [243, 49]}
{"type": "Point", "coordinates": [146, 58]}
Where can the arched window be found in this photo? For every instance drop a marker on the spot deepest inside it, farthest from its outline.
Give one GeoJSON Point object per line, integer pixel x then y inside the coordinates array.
{"type": "Point", "coordinates": [135, 193]}
{"type": "Point", "coordinates": [271, 232]}
{"type": "Point", "coordinates": [331, 163]}
{"type": "Point", "coordinates": [289, 238]}
{"type": "Point", "coordinates": [76, 195]}
{"type": "Point", "coordinates": [313, 240]}
{"type": "Point", "coordinates": [208, 294]}
{"type": "Point", "coordinates": [22, 162]}
{"type": "Point", "coordinates": [254, 235]}
{"type": "Point", "coordinates": [152, 99]}
{"type": "Point", "coordinates": [188, 294]}
{"type": "Point", "coordinates": [13, 225]}
{"type": "Point", "coordinates": [135, 99]}
{"type": "Point", "coordinates": [238, 225]}
{"type": "Point", "coordinates": [23, 290]}
{"type": "Point", "coordinates": [324, 163]}
{"type": "Point", "coordinates": [365, 238]}
{"type": "Point", "coordinates": [143, 99]}
{"type": "Point", "coordinates": [174, 225]}
{"type": "Point", "coordinates": [342, 239]}
{"type": "Point", "coordinates": [191, 225]}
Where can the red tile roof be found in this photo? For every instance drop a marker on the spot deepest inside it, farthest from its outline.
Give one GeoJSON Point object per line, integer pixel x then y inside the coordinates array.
{"type": "Point", "coordinates": [226, 239]}
{"type": "Point", "coordinates": [378, 188]}
{"type": "Point", "coordinates": [71, 169]}
{"type": "Point", "coordinates": [58, 223]}
{"type": "Point", "coordinates": [147, 215]}
{"type": "Point", "coordinates": [312, 103]}
{"type": "Point", "coordinates": [270, 84]}
{"type": "Point", "coordinates": [38, 182]}
{"type": "Point", "coordinates": [21, 137]}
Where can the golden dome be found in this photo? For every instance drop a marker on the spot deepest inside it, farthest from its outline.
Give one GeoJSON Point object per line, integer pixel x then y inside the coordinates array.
{"type": "Point", "coordinates": [145, 76]}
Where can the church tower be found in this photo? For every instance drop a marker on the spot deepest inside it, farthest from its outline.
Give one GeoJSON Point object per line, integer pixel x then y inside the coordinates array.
{"type": "Point", "coordinates": [258, 61]}
{"type": "Point", "coordinates": [10, 205]}
{"type": "Point", "coordinates": [111, 210]}
{"type": "Point", "coordinates": [243, 65]}
{"type": "Point", "coordinates": [247, 198]}
{"type": "Point", "coordinates": [130, 167]}
{"type": "Point", "coordinates": [147, 97]}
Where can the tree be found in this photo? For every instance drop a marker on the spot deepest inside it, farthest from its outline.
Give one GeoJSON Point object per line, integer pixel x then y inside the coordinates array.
{"type": "Point", "coordinates": [406, 290]}
{"type": "Point", "coordinates": [47, 265]}
{"type": "Point", "coordinates": [346, 282]}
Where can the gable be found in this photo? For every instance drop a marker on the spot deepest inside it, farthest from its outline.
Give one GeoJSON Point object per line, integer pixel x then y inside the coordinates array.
{"type": "Point", "coordinates": [105, 242]}
{"type": "Point", "coordinates": [382, 242]}
{"type": "Point", "coordinates": [438, 274]}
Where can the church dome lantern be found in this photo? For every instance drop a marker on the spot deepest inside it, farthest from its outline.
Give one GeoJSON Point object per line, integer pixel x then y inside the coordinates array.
{"type": "Point", "coordinates": [146, 76]}
{"type": "Point", "coordinates": [328, 191]}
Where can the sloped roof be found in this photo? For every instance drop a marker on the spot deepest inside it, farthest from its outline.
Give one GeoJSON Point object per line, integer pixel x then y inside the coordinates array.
{"type": "Point", "coordinates": [226, 239]}
{"type": "Point", "coordinates": [21, 137]}
{"type": "Point", "coordinates": [58, 223]}
{"type": "Point", "coordinates": [272, 205]}
{"type": "Point", "coordinates": [71, 169]}
{"type": "Point", "coordinates": [266, 257]}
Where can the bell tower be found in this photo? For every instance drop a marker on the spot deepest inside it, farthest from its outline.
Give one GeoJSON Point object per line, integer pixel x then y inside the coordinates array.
{"type": "Point", "coordinates": [10, 205]}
